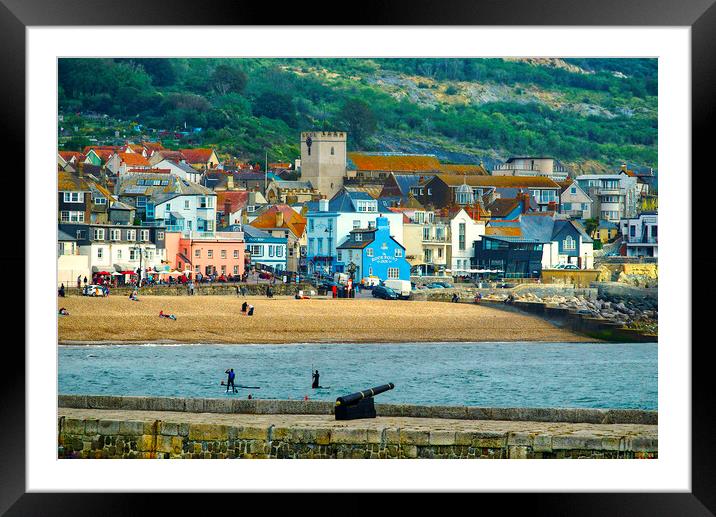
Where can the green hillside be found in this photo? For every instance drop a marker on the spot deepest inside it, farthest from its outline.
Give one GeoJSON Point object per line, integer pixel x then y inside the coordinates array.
{"type": "Point", "coordinates": [590, 113]}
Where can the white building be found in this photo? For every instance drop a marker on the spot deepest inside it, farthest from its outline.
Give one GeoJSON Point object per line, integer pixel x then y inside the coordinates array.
{"type": "Point", "coordinates": [180, 169]}
{"type": "Point", "coordinates": [641, 235]}
{"type": "Point", "coordinates": [615, 196]}
{"type": "Point", "coordinates": [575, 203]}
{"type": "Point", "coordinates": [465, 231]}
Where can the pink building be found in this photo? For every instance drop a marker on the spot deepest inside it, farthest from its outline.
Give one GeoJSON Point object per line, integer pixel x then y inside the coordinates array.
{"type": "Point", "coordinates": [220, 253]}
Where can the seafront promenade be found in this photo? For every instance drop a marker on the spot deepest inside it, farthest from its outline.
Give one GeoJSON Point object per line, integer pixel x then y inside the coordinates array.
{"type": "Point", "coordinates": [218, 319]}
{"type": "Point", "coordinates": [216, 428]}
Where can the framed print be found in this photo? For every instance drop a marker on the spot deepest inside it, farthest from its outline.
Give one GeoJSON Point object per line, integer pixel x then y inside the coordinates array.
{"type": "Point", "coordinates": [450, 216]}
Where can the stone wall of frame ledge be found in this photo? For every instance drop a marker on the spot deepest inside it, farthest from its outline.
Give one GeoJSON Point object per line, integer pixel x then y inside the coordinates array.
{"type": "Point", "coordinates": [316, 407]}
{"type": "Point", "coordinates": [157, 439]}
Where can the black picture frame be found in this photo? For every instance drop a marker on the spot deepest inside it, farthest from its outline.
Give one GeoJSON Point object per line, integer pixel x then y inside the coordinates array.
{"type": "Point", "coordinates": [700, 15]}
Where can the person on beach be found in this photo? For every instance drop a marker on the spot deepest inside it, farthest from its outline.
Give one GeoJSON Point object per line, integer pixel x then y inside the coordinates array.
{"type": "Point", "coordinates": [243, 291]}
{"type": "Point", "coordinates": [315, 376]}
{"type": "Point", "coordinates": [79, 282]}
{"type": "Point", "coordinates": [244, 307]}
{"type": "Point", "coordinates": [169, 316]}
{"type": "Point", "coordinates": [63, 312]}
{"type": "Point", "coordinates": [251, 311]}
{"type": "Point", "coordinates": [230, 380]}
{"type": "Point", "coordinates": [133, 296]}
{"type": "Point", "coordinates": [61, 292]}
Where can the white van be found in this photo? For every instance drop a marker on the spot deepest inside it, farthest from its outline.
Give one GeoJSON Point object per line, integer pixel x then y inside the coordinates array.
{"type": "Point", "coordinates": [401, 287]}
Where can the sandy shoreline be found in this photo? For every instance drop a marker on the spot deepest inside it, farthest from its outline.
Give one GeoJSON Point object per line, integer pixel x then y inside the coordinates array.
{"type": "Point", "coordinates": [218, 320]}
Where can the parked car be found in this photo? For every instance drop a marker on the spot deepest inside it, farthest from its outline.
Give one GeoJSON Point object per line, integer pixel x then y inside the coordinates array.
{"type": "Point", "coordinates": [446, 285]}
{"type": "Point", "coordinates": [93, 290]}
{"type": "Point", "coordinates": [435, 285]}
{"type": "Point", "coordinates": [386, 293]}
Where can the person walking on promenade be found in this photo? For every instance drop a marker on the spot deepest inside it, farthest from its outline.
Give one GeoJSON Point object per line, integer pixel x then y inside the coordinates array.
{"type": "Point", "coordinates": [79, 282]}
{"type": "Point", "coordinates": [191, 287]}
{"type": "Point", "coordinates": [243, 291]}
{"type": "Point", "coordinates": [85, 280]}
{"type": "Point", "coordinates": [62, 290]}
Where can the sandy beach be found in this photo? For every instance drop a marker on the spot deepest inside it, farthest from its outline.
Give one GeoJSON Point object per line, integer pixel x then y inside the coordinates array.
{"type": "Point", "coordinates": [218, 319]}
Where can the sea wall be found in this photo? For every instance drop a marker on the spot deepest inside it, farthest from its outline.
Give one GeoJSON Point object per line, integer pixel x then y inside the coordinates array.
{"type": "Point", "coordinates": [103, 433]}
{"type": "Point", "coordinates": [220, 289]}
{"type": "Point", "coordinates": [317, 407]}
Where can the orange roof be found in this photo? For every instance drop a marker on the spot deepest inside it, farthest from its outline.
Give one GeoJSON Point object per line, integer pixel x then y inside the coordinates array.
{"type": "Point", "coordinates": [134, 159]}
{"type": "Point", "coordinates": [454, 168]}
{"type": "Point", "coordinates": [394, 162]}
{"type": "Point", "coordinates": [153, 146]}
{"type": "Point", "coordinates": [98, 148]}
{"type": "Point", "coordinates": [498, 181]}
{"type": "Point", "coordinates": [292, 220]}
{"type": "Point", "coordinates": [148, 171]}
{"type": "Point", "coordinates": [197, 155]}
{"type": "Point", "coordinates": [504, 231]}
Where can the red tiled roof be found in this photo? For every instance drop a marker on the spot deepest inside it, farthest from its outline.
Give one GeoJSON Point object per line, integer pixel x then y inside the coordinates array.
{"type": "Point", "coordinates": [148, 171]}
{"type": "Point", "coordinates": [451, 168]}
{"type": "Point", "coordinates": [237, 199]}
{"type": "Point", "coordinates": [394, 162]}
{"type": "Point", "coordinates": [68, 155]}
{"type": "Point", "coordinates": [498, 181]}
{"type": "Point", "coordinates": [197, 155]}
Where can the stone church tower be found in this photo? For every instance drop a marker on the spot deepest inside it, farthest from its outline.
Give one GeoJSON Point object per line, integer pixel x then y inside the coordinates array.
{"type": "Point", "coordinates": [323, 160]}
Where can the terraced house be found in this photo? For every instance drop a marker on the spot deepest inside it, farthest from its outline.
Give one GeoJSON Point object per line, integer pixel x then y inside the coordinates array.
{"type": "Point", "coordinates": [169, 201]}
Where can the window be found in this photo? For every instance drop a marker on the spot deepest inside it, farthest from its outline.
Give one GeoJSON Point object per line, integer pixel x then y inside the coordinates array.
{"type": "Point", "coordinates": [197, 269]}
{"type": "Point", "coordinates": [65, 217]}
{"type": "Point", "coordinates": [398, 252]}
{"type": "Point", "coordinates": [632, 230]}
{"type": "Point", "coordinates": [440, 253]}
{"type": "Point", "coordinates": [310, 247]}
{"type": "Point", "coordinates": [74, 197]}
{"type": "Point", "coordinates": [356, 224]}
{"type": "Point", "coordinates": [119, 254]}
{"type": "Point", "coordinates": [358, 237]}
{"type": "Point", "coordinates": [369, 252]}
{"type": "Point", "coordinates": [393, 272]}
{"type": "Point", "coordinates": [197, 253]}
{"type": "Point", "coordinates": [210, 226]}
{"type": "Point", "coordinates": [236, 254]}
{"type": "Point", "coordinates": [370, 271]}
{"type": "Point", "coordinates": [279, 251]}
{"type": "Point", "coordinates": [339, 255]}
{"type": "Point", "coordinates": [426, 233]}
{"type": "Point", "coordinates": [320, 246]}
{"type": "Point", "coordinates": [115, 235]}
{"type": "Point", "coordinates": [74, 217]}
{"type": "Point", "coordinates": [186, 204]}
{"type": "Point", "coordinates": [462, 236]}
{"type": "Point", "coordinates": [585, 206]}
{"type": "Point", "coordinates": [270, 250]}
{"type": "Point", "coordinates": [133, 255]}
{"type": "Point", "coordinates": [333, 151]}
{"type": "Point", "coordinates": [142, 202]}
{"type": "Point", "coordinates": [223, 270]}
{"type": "Point", "coordinates": [81, 234]}
{"type": "Point", "coordinates": [567, 206]}
{"type": "Point", "coordinates": [144, 235]}
{"type": "Point", "coordinates": [428, 256]}
{"type": "Point", "coordinates": [98, 234]}
{"type": "Point", "coordinates": [310, 224]}
{"type": "Point", "coordinates": [100, 201]}
{"type": "Point", "coordinates": [569, 243]}
{"type": "Point", "coordinates": [573, 190]}
{"type": "Point", "coordinates": [100, 252]}
{"type": "Point", "coordinates": [160, 236]}
{"type": "Point", "coordinates": [169, 207]}
{"type": "Point", "coordinates": [210, 253]}
{"type": "Point", "coordinates": [366, 206]}
{"type": "Point", "coordinates": [236, 270]}
{"type": "Point", "coordinates": [223, 254]}
{"type": "Point", "coordinates": [131, 235]}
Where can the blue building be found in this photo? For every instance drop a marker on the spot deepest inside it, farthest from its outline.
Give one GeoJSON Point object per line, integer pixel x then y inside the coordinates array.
{"type": "Point", "coordinates": [265, 249]}
{"type": "Point", "coordinates": [374, 253]}
{"type": "Point", "coordinates": [330, 223]}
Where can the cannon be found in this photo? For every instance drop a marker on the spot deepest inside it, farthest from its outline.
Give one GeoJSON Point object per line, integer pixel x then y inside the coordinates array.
{"type": "Point", "coordinates": [359, 404]}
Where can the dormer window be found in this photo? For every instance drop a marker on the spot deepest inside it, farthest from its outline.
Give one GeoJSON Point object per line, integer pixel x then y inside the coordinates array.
{"type": "Point", "coordinates": [367, 206]}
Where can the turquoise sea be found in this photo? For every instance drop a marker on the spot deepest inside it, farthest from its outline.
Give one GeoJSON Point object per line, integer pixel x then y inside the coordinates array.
{"type": "Point", "coordinates": [587, 375]}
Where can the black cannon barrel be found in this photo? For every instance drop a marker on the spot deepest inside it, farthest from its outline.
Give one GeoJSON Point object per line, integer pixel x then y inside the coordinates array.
{"type": "Point", "coordinates": [354, 398]}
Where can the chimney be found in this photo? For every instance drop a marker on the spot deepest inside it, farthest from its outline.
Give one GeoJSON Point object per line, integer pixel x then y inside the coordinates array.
{"type": "Point", "coordinates": [230, 182]}
{"type": "Point", "coordinates": [552, 206]}
{"type": "Point", "coordinates": [323, 204]}
{"type": "Point", "coordinates": [81, 169]}
{"type": "Point", "coordinates": [279, 218]}
{"type": "Point", "coordinates": [525, 202]}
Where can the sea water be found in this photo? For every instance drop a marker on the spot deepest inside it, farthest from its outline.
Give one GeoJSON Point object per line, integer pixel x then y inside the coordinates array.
{"type": "Point", "coordinates": [586, 375]}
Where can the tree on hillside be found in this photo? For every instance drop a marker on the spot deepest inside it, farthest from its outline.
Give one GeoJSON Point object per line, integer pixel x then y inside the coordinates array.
{"type": "Point", "coordinates": [277, 106]}
{"type": "Point", "coordinates": [226, 79]}
{"type": "Point", "coordinates": [359, 119]}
